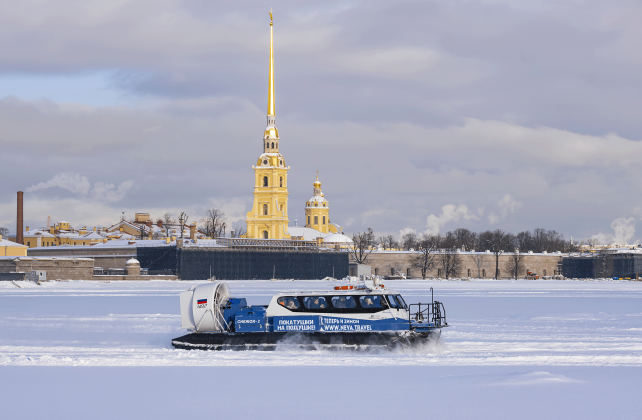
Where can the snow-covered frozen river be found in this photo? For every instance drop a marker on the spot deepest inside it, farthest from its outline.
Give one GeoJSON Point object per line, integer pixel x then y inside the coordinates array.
{"type": "Point", "coordinates": [515, 349]}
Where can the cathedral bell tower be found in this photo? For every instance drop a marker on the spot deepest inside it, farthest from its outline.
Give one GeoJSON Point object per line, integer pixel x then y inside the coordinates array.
{"type": "Point", "coordinates": [268, 218]}
{"type": "Point", "coordinates": [317, 210]}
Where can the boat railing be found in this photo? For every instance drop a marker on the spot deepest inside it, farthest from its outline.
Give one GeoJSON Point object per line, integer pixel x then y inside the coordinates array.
{"type": "Point", "coordinates": [427, 315]}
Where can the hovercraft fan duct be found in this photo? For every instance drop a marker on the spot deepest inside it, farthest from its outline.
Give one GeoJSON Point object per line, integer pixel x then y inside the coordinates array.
{"type": "Point", "coordinates": [202, 307]}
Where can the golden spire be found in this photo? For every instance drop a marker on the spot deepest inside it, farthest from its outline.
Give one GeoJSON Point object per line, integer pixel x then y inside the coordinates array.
{"type": "Point", "coordinates": [270, 110]}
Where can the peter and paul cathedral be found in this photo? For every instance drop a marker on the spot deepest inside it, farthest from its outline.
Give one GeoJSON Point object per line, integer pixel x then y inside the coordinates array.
{"type": "Point", "coordinates": [268, 218]}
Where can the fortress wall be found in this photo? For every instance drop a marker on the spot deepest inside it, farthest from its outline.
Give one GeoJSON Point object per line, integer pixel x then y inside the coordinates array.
{"type": "Point", "coordinates": [481, 265]}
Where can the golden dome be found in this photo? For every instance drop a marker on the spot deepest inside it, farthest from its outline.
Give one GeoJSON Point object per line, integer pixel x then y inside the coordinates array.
{"type": "Point", "coordinates": [271, 132]}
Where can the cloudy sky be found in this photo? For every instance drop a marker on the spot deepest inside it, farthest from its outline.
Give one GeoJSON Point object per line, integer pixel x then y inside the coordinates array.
{"type": "Point", "coordinates": [428, 115]}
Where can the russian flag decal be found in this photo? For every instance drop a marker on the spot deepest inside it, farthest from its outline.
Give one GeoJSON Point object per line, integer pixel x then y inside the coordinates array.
{"type": "Point", "coordinates": [201, 302]}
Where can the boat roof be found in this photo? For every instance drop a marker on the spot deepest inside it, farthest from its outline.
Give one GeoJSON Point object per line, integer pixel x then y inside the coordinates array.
{"type": "Point", "coordinates": [359, 291]}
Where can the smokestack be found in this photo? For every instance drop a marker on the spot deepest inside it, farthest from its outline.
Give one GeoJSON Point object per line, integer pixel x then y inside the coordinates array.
{"type": "Point", "coordinates": [19, 221]}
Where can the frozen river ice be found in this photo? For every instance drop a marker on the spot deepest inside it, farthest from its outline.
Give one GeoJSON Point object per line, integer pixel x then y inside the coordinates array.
{"type": "Point", "coordinates": [515, 349]}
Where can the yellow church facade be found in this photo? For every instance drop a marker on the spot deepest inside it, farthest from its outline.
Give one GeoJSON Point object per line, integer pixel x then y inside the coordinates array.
{"type": "Point", "coordinates": [268, 218]}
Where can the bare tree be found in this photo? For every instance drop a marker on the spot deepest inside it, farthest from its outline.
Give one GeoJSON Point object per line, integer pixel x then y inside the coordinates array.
{"type": "Point", "coordinates": [592, 243]}
{"type": "Point", "coordinates": [371, 237]}
{"type": "Point", "coordinates": [238, 232]}
{"type": "Point", "coordinates": [182, 221]}
{"type": "Point", "coordinates": [425, 257]}
{"type": "Point", "coordinates": [408, 240]}
{"type": "Point", "coordinates": [450, 262]}
{"type": "Point", "coordinates": [362, 246]}
{"type": "Point", "coordinates": [387, 242]}
{"type": "Point", "coordinates": [515, 265]}
{"type": "Point", "coordinates": [496, 241]}
{"type": "Point", "coordinates": [465, 239]}
{"type": "Point", "coordinates": [214, 223]}
{"type": "Point", "coordinates": [4, 232]}
{"type": "Point", "coordinates": [168, 220]}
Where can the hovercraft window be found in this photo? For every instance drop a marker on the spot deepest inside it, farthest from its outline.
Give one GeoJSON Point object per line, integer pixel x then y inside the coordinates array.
{"type": "Point", "coordinates": [344, 302]}
{"type": "Point", "coordinates": [288, 302]}
{"type": "Point", "coordinates": [402, 303]}
{"type": "Point", "coordinates": [373, 302]}
{"type": "Point", "coordinates": [315, 302]}
{"type": "Point", "coordinates": [393, 301]}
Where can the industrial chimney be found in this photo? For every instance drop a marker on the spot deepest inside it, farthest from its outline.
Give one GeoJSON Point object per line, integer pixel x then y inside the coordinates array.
{"type": "Point", "coordinates": [19, 221]}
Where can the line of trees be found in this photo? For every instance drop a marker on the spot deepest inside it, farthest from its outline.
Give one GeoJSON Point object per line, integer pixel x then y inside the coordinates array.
{"type": "Point", "coordinates": [441, 250]}
{"type": "Point", "coordinates": [538, 240]}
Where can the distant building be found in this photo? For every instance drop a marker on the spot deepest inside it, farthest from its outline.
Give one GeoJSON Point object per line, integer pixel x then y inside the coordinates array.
{"type": "Point", "coordinates": [141, 228]}
{"type": "Point", "coordinates": [12, 249]}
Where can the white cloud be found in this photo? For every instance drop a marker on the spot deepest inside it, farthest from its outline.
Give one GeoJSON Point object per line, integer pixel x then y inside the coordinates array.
{"type": "Point", "coordinates": [506, 206]}
{"type": "Point", "coordinates": [449, 213]}
{"type": "Point", "coordinates": [235, 209]}
{"type": "Point", "coordinates": [405, 231]}
{"type": "Point", "coordinates": [75, 183]}
{"type": "Point", "coordinates": [78, 184]}
{"type": "Point", "coordinates": [109, 192]}
{"type": "Point", "coordinates": [623, 231]}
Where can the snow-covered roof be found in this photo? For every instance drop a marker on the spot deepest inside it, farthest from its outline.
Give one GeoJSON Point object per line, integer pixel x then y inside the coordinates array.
{"type": "Point", "coordinates": [134, 243]}
{"type": "Point", "coordinates": [132, 261]}
{"type": "Point", "coordinates": [318, 199]}
{"type": "Point", "coordinates": [337, 238]}
{"type": "Point", "coordinates": [308, 234]}
{"type": "Point", "coordinates": [69, 235]}
{"type": "Point", "coordinates": [4, 242]}
{"type": "Point", "coordinates": [139, 227]}
{"type": "Point", "coordinates": [93, 235]}
{"type": "Point", "coordinates": [41, 233]}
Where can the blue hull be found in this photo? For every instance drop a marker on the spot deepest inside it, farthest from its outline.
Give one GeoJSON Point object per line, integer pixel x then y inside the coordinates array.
{"type": "Point", "coordinates": [306, 340]}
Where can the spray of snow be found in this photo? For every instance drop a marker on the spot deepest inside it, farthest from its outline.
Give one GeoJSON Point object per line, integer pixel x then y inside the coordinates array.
{"type": "Point", "coordinates": [449, 213]}
{"type": "Point", "coordinates": [506, 205]}
{"type": "Point", "coordinates": [623, 231]}
{"type": "Point", "coordinates": [78, 184]}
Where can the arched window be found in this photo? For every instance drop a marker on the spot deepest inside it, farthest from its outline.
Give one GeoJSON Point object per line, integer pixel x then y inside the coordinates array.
{"type": "Point", "coordinates": [316, 204]}
{"type": "Point", "coordinates": [281, 207]}
{"type": "Point", "coordinates": [273, 145]}
{"type": "Point", "coordinates": [265, 181]}
{"type": "Point", "coordinates": [281, 182]}
{"type": "Point", "coordinates": [544, 272]}
{"type": "Point", "coordinates": [469, 272]}
{"type": "Point", "coordinates": [407, 272]}
{"type": "Point", "coordinates": [265, 209]}
{"type": "Point", "coordinates": [392, 271]}
{"type": "Point", "coordinates": [267, 145]}
{"type": "Point", "coordinates": [308, 220]}
{"type": "Point", "coordinates": [316, 220]}
{"type": "Point", "coordinates": [483, 272]}
{"type": "Point", "coordinates": [265, 234]}
{"type": "Point", "coordinates": [324, 220]}
{"type": "Point", "coordinates": [376, 271]}
{"type": "Point", "coordinates": [439, 272]}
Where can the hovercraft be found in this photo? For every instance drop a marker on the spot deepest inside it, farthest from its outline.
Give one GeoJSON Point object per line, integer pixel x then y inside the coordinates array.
{"type": "Point", "coordinates": [360, 317]}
